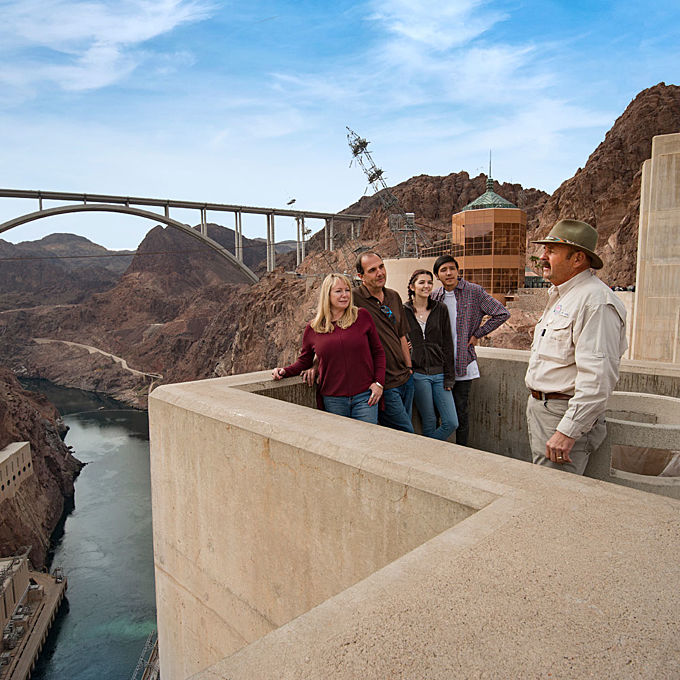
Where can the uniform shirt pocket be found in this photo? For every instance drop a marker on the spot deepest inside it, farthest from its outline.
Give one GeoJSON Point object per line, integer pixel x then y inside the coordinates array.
{"type": "Point", "coordinates": [557, 343]}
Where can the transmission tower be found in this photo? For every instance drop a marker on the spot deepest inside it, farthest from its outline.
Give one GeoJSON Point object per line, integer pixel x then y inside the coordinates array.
{"type": "Point", "coordinates": [402, 224]}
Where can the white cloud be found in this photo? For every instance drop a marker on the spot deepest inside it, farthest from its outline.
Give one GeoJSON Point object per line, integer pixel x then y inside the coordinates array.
{"type": "Point", "coordinates": [85, 45]}
{"type": "Point", "coordinates": [438, 26]}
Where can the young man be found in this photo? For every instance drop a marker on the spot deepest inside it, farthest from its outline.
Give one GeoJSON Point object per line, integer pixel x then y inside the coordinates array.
{"type": "Point", "coordinates": [575, 355]}
{"type": "Point", "coordinates": [468, 304]}
{"type": "Point", "coordinates": [386, 308]}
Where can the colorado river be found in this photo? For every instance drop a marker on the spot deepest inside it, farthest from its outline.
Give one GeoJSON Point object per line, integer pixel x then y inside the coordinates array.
{"type": "Point", "coordinates": [106, 545]}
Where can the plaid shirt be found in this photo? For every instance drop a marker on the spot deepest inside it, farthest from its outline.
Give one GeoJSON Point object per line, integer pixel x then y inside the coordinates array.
{"type": "Point", "coordinates": [473, 303]}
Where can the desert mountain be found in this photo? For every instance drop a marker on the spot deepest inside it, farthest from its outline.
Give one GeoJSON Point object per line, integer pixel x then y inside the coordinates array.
{"type": "Point", "coordinates": [606, 191]}
{"type": "Point", "coordinates": [46, 271]}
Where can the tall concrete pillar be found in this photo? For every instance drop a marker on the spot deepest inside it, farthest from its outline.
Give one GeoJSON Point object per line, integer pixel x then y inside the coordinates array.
{"type": "Point", "coordinates": [331, 235]}
{"type": "Point", "coordinates": [273, 248]}
{"type": "Point", "coordinates": [271, 252]}
{"type": "Point", "coordinates": [204, 222]}
{"type": "Point", "coordinates": [304, 236]}
{"type": "Point", "coordinates": [238, 236]}
{"type": "Point", "coordinates": [298, 249]}
{"type": "Point", "coordinates": [656, 316]}
{"type": "Point", "coordinates": [326, 239]}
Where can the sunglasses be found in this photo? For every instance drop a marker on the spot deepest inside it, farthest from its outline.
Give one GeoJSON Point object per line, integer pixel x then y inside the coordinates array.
{"type": "Point", "coordinates": [388, 313]}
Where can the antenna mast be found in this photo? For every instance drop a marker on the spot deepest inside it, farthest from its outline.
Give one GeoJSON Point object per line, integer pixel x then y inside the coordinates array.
{"type": "Point", "coordinates": [402, 224]}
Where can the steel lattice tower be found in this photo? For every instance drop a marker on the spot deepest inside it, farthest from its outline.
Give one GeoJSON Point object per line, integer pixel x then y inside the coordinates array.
{"type": "Point", "coordinates": [402, 224]}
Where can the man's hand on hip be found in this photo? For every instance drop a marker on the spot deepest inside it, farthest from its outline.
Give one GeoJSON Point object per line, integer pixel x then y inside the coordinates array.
{"type": "Point", "coordinates": [557, 448]}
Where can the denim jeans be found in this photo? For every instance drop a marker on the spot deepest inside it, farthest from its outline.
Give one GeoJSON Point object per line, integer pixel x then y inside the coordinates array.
{"type": "Point", "coordinates": [353, 407]}
{"type": "Point", "coordinates": [430, 393]}
{"type": "Point", "coordinates": [398, 404]}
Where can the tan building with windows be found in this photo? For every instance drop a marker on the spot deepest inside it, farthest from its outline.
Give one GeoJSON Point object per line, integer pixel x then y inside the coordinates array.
{"type": "Point", "coordinates": [489, 241]}
{"type": "Point", "coordinates": [15, 466]}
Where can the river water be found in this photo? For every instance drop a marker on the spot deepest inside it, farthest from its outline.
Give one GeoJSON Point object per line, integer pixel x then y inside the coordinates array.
{"type": "Point", "coordinates": [105, 546]}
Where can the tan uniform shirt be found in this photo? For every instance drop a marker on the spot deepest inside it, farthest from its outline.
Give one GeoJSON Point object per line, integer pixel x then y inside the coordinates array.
{"type": "Point", "coordinates": [577, 347]}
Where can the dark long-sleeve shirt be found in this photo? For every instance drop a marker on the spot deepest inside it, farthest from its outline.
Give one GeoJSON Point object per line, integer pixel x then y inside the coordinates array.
{"type": "Point", "coordinates": [432, 351]}
{"type": "Point", "coordinates": [350, 359]}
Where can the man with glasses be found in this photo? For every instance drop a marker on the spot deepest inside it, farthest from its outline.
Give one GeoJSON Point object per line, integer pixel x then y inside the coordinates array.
{"type": "Point", "coordinates": [385, 306]}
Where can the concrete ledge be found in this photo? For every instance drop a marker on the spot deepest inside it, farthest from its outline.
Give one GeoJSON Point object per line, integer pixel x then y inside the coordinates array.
{"type": "Point", "coordinates": [322, 547]}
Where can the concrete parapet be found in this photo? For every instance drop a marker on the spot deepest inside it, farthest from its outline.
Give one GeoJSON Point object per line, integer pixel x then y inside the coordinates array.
{"type": "Point", "coordinates": [498, 406]}
{"type": "Point", "coordinates": [291, 543]}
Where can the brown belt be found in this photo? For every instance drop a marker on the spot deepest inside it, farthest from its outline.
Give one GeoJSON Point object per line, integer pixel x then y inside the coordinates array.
{"type": "Point", "coordinates": [549, 395]}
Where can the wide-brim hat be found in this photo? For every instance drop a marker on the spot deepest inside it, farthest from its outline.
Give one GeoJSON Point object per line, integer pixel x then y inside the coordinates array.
{"type": "Point", "coordinates": [578, 234]}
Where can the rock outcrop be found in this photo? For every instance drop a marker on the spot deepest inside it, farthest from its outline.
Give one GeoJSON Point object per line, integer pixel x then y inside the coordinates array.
{"type": "Point", "coordinates": [32, 515]}
{"type": "Point", "coordinates": [606, 191]}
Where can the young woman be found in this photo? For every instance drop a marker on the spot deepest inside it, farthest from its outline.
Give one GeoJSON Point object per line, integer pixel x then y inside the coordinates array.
{"type": "Point", "coordinates": [351, 358]}
{"type": "Point", "coordinates": [432, 357]}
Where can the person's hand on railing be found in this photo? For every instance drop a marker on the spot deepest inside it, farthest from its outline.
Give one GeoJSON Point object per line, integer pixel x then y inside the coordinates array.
{"type": "Point", "coordinates": [278, 373]}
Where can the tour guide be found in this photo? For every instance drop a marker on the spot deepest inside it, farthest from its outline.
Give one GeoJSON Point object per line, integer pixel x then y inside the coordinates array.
{"type": "Point", "coordinates": [575, 354]}
{"type": "Point", "coordinates": [387, 310]}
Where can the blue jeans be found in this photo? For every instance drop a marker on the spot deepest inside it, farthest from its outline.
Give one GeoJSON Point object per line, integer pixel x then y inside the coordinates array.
{"type": "Point", "coordinates": [353, 407]}
{"type": "Point", "coordinates": [398, 404]}
{"type": "Point", "coordinates": [430, 393]}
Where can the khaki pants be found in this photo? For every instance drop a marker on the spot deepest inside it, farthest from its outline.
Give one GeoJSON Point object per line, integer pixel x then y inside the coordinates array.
{"type": "Point", "coordinates": [543, 417]}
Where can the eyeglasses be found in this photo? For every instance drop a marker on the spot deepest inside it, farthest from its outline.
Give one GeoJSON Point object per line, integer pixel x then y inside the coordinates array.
{"type": "Point", "coordinates": [388, 313]}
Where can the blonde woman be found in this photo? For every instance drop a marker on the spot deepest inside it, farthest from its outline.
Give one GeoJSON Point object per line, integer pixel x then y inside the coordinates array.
{"type": "Point", "coordinates": [351, 358]}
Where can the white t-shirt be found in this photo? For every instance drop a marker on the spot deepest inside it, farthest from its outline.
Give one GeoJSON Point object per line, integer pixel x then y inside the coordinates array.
{"type": "Point", "coordinates": [451, 304]}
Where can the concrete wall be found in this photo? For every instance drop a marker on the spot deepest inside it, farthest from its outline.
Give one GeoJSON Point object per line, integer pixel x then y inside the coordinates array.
{"type": "Point", "coordinates": [399, 271]}
{"type": "Point", "coordinates": [15, 466]}
{"type": "Point", "coordinates": [498, 407]}
{"type": "Point", "coordinates": [345, 550]}
{"type": "Point", "coordinates": [656, 322]}
{"type": "Point", "coordinates": [258, 519]}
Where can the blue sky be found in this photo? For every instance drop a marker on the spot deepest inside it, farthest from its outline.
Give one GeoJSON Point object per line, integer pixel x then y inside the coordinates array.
{"type": "Point", "coordinates": [247, 103]}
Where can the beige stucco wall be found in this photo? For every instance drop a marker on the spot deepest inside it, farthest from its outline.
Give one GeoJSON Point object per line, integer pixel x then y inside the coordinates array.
{"type": "Point", "coordinates": [656, 320]}
{"type": "Point", "coordinates": [399, 271]}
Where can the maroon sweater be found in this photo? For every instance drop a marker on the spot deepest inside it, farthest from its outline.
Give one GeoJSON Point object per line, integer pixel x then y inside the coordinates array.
{"type": "Point", "coordinates": [350, 359]}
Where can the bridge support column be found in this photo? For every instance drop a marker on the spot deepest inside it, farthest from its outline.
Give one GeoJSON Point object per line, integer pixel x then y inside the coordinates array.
{"type": "Point", "coordinates": [271, 253]}
{"type": "Point", "coordinates": [326, 240]}
{"type": "Point", "coordinates": [204, 222]}
{"type": "Point", "coordinates": [298, 245]}
{"type": "Point", "coordinates": [304, 236]}
{"type": "Point", "coordinates": [331, 235]}
{"type": "Point", "coordinates": [238, 236]}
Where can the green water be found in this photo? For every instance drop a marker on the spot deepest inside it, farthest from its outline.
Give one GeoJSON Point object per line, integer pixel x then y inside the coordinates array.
{"type": "Point", "coordinates": [106, 544]}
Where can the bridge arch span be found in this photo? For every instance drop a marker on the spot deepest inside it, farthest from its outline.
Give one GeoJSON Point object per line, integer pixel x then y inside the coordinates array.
{"type": "Point", "coordinates": [138, 212]}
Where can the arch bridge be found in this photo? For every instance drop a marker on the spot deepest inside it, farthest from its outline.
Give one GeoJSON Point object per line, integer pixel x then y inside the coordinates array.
{"type": "Point", "coordinates": [130, 205]}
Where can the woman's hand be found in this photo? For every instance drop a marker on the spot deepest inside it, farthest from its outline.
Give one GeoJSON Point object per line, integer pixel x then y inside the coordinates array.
{"type": "Point", "coordinates": [278, 373]}
{"type": "Point", "coordinates": [376, 393]}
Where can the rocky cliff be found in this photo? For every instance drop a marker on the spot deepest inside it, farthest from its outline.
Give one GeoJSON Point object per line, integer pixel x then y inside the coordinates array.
{"type": "Point", "coordinates": [606, 191]}
{"type": "Point", "coordinates": [31, 516]}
